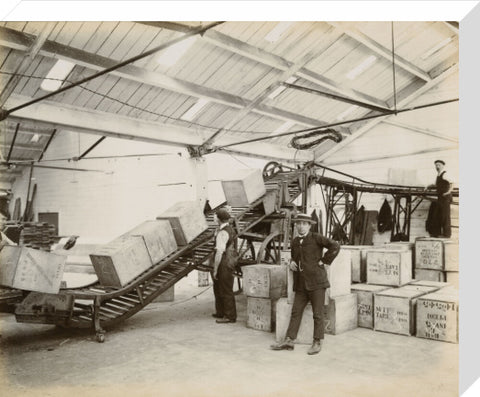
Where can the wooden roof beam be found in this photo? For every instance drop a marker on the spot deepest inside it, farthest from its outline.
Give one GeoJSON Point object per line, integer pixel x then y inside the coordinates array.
{"type": "Point", "coordinates": [454, 26]}
{"type": "Point", "coordinates": [175, 26]}
{"type": "Point", "coordinates": [394, 123]}
{"type": "Point", "coordinates": [24, 130]}
{"type": "Point", "coordinates": [264, 95]}
{"type": "Point", "coordinates": [18, 40]}
{"type": "Point", "coordinates": [405, 97]}
{"type": "Point", "coordinates": [390, 156]}
{"type": "Point", "coordinates": [357, 35]}
{"type": "Point", "coordinates": [31, 53]}
{"type": "Point", "coordinates": [259, 55]}
{"type": "Point", "coordinates": [18, 146]}
{"type": "Point", "coordinates": [277, 62]}
{"type": "Point", "coordinates": [81, 120]}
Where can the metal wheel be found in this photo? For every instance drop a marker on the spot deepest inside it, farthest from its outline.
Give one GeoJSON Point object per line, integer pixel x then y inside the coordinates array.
{"type": "Point", "coordinates": [270, 249]}
{"type": "Point", "coordinates": [100, 337]}
{"type": "Point", "coordinates": [246, 252]}
{"type": "Point", "coordinates": [271, 169]}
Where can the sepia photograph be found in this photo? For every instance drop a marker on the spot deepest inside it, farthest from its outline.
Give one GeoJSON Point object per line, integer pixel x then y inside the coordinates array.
{"type": "Point", "coordinates": [233, 207]}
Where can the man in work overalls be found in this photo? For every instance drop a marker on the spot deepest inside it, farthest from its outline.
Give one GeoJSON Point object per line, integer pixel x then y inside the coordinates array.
{"type": "Point", "coordinates": [444, 187]}
{"type": "Point", "coordinates": [225, 309]}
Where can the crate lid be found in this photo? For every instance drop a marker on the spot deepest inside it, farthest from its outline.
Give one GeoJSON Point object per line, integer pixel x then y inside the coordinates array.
{"type": "Point", "coordinates": [401, 293]}
{"type": "Point", "coordinates": [439, 284]}
{"type": "Point", "coordinates": [441, 297]}
{"type": "Point", "coordinates": [449, 290]}
{"type": "Point", "coordinates": [368, 287]}
{"type": "Point", "coordinates": [263, 266]}
{"type": "Point", "coordinates": [432, 239]}
{"type": "Point", "coordinates": [422, 288]}
{"type": "Point", "coordinates": [356, 247]}
{"type": "Point", "coordinates": [387, 250]}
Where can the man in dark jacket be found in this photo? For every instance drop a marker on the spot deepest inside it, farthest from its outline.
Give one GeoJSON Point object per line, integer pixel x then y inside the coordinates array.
{"type": "Point", "coordinates": [309, 281]}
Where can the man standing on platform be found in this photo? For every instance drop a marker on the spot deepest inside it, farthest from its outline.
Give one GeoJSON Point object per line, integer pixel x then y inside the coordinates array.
{"type": "Point", "coordinates": [444, 186]}
{"type": "Point", "coordinates": [225, 309]}
{"type": "Point", "coordinates": [309, 281]}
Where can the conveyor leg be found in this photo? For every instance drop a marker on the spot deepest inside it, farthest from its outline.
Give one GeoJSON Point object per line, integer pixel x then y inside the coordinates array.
{"type": "Point", "coordinates": [99, 331]}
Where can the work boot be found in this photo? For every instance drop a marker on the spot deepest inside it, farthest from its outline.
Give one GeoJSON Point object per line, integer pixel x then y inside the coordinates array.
{"type": "Point", "coordinates": [224, 320]}
{"type": "Point", "coordinates": [287, 344]}
{"type": "Point", "coordinates": [316, 347]}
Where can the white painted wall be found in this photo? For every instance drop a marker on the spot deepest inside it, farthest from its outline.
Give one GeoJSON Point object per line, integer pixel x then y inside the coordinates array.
{"type": "Point", "coordinates": [102, 205]}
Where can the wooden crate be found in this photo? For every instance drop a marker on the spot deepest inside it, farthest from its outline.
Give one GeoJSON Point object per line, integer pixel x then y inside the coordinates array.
{"type": "Point", "coordinates": [265, 281]}
{"type": "Point", "coordinates": [167, 296]}
{"type": "Point", "coordinates": [270, 202]}
{"type": "Point", "coordinates": [78, 280]}
{"type": "Point", "coordinates": [429, 253]}
{"type": "Point", "coordinates": [187, 221]}
{"type": "Point", "coordinates": [340, 274]}
{"type": "Point", "coordinates": [78, 259]}
{"type": "Point", "coordinates": [429, 283]}
{"type": "Point", "coordinates": [405, 245]}
{"type": "Point", "coordinates": [244, 187]}
{"type": "Point", "coordinates": [283, 313]}
{"type": "Point", "coordinates": [119, 262]}
{"type": "Point", "coordinates": [451, 289]}
{"type": "Point", "coordinates": [158, 236]}
{"type": "Point", "coordinates": [341, 314]}
{"type": "Point", "coordinates": [395, 310]}
{"type": "Point", "coordinates": [389, 267]}
{"type": "Point", "coordinates": [9, 256]}
{"type": "Point", "coordinates": [285, 257]}
{"type": "Point", "coordinates": [365, 302]}
{"type": "Point", "coordinates": [451, 256]}
{"type": "Point", "coordinates": [30, 269]}
{"type": "Point", "coordinates": [203, 278]}
{"type": "Point", "coordinates": [290, 291]}
{"type": "Point", "coordinates": [427, 289]}
{"type": "Point", "coordinates": [453, 278]}
{"type": "Point", "coordinates": [437, 317]}
{"type": "Point", "coordinates": [261, 313]}
{"type": "Point", "coordinates": [359, 262]}
{"type": "Point", "coordinates": [44, 308]}
{"type": "Point", "coordinates": [431, 275]}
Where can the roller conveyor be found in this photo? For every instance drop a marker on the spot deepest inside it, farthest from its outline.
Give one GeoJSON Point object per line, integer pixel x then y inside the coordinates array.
{"type": "Point", "coordinates": [100, 307]}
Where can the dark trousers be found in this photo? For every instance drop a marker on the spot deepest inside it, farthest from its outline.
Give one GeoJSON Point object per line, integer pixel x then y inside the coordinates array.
{"type": "Point", "coordinates": [317, 298]}
{"type": "Point", "coordinates": [444, 212]}
{"type": "Point", "coordinates": [223, 291]}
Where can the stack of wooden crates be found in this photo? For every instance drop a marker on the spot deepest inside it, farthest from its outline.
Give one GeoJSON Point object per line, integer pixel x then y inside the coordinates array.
{"type": "Point", "coordinates": [129, 255]}
{"type": "Point", "coordinates": [436, 259]}
{"type": "Point", "coordinates": [390, 300]}
{"type": "Point", "coordinates": [264, 285]}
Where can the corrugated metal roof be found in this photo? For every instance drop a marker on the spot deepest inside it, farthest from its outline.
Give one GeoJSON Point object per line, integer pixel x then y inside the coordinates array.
{"type": "Point", "coordinates": [231, 66]}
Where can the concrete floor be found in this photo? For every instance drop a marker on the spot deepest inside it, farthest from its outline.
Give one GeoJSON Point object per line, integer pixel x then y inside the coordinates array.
{"type": "Point", "coordinates": [176, 349]}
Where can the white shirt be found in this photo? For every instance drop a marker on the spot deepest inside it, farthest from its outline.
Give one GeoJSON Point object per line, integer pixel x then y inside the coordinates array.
{"type": "Point", "coordinates": [222, 238]}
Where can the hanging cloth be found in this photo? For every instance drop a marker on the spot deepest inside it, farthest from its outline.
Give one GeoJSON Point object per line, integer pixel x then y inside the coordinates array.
{"type": "Point", "coordinates": [385, 218]}
{"type": "Point", "coordinates": [315, 227]}
{"type": "Point", "coordinates": [359, 219]}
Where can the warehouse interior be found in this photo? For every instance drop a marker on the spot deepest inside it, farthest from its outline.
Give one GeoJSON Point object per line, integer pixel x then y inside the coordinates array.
{"type": "Point", "coordinates": [106, 125]}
